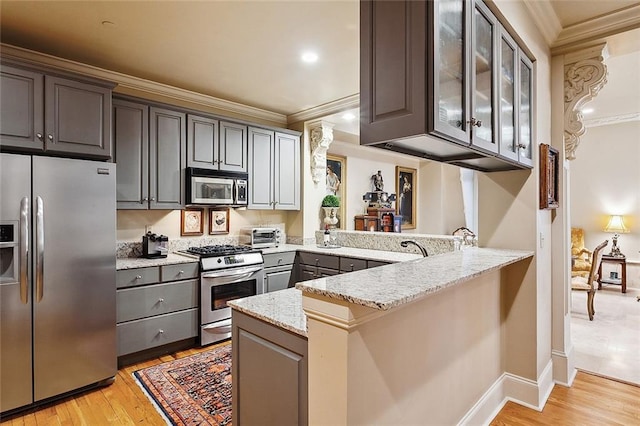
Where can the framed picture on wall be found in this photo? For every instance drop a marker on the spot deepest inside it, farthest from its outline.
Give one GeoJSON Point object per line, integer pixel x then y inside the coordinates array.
{"type": "Point", "coordinates": [406, 196]}
{"type": "Point", "coordinates": [337, 184]}
{"type": "Point", "coordinates": [549, 165]}
{"type": "Point", "coordinates": [219, 221]}
{"type": "Point", "coordinates": [191, 221]}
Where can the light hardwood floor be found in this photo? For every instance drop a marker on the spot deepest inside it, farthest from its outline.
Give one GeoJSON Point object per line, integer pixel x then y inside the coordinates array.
{"type": "Point", "coordinates": [592, 400]}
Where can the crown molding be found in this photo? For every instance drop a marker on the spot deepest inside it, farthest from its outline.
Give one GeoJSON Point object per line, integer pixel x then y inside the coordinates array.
{"type": "Point", "coordinates": [323, 110]}
{"type": "Point", "coordinates": [545, 19]}
{"type": "Point", "coordinates": [141, 85]}
{"type": "Point", "coordinates": [614, 119]}
{"type": "Point", "coordinates": [593, 29]}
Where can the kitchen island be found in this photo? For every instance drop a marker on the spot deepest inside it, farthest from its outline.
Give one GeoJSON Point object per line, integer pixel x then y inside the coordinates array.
{"type": "Point", "coordinates": [395, 344]}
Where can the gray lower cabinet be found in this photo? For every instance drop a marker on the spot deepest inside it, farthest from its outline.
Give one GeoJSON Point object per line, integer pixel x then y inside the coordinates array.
{"type": "Point", "coordinates": [270, 374]}
{"type": "Point", "coordinates": [274, 170]}
{"type": "Point", "coordinates": [278, 269]}
{"type": "Point", "coordinates": [150, 153]}
{"type": "Point", "coordinates": [153, 310]}
{"type": "Point", "coordinates": [311, 265]}
{"type": "Point", "coordinates": [41, 112]}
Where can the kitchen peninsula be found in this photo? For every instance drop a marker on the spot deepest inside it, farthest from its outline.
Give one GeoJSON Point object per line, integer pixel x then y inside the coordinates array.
{"type": "Point", "coordinates": [413, 342]}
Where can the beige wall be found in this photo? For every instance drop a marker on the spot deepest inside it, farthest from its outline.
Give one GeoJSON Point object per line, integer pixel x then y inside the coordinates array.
{"type": "Point", "coordinates": [131, 223]}
{"type": "Point", "coordinates": [605, 180]}
{"type": "Point", "coordinates": [404, 367]}
{"type": "Point", "coordinates": [439, 208]}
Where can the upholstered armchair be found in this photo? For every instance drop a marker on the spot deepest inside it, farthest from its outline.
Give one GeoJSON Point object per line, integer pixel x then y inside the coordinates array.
{"type": "Point", "coordinates": [590, 283]}
{"type": "Point", "coordinates": [580, 256]}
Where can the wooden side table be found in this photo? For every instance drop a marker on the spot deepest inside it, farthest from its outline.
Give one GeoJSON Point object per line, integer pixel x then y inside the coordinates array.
{"type": "Point", "coordinates": [622, 261]}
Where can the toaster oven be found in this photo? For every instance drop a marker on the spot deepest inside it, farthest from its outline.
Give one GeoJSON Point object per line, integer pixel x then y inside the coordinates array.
{"type": "Point", "coordinates": [262, 237]}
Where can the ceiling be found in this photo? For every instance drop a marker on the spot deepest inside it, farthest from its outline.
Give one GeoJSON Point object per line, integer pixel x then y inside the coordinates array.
{"type": "Point", "coordinates": [242, 51]}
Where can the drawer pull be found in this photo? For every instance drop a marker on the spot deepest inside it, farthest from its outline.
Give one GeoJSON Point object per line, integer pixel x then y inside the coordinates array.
{"type": "Point", "coordinates": [161, 300]}
{"type": "Point", "coordinates": [160, 331]}
{"type": "Point", "coordinates": [180, 272]}
{"type": "Point", "coordinates": [279, 261]}
{"type": "Point", "coordinates": [138, 277]}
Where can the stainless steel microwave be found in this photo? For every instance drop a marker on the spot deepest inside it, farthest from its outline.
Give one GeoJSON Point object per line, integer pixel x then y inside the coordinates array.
{"type": "Point", "coordinates": [211, 187]}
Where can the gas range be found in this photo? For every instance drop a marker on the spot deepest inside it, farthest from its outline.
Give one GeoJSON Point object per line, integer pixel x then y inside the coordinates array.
{"type": "Point", "coordinates": [224, 256]}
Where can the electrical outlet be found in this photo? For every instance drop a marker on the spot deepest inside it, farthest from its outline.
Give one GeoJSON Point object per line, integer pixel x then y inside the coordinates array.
{"type": "Point", "coordinates": [147, 228]}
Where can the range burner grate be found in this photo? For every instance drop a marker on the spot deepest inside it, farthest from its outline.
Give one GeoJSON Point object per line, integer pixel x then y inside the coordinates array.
{"type": "Point", "coordinates": [217, 250]}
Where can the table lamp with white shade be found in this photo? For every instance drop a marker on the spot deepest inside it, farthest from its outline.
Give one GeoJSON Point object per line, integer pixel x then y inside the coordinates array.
{"type": "Point", "coordinates": [617, 227]}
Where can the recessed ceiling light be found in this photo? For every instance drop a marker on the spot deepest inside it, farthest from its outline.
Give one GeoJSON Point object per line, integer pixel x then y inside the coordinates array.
{"type": "Point", "coordinates": [309, 57]}
{"type": "Point", "coordinates": [348, 116]}
{"type": "Point", "coordinates": [587, 110]}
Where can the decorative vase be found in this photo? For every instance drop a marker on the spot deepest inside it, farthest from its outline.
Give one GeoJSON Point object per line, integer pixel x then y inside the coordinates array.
{"type": "Point", "coordinates": [330, 216]}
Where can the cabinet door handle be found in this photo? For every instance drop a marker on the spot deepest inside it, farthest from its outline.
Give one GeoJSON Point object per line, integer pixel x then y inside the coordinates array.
{"type": "Point", "coordinates": [144, 200]}
{"type": "Point", "coordinates": [161, 300]}
{"type": "Point", "coordinates": [475, 122]}
{"type": "Point", "coordinates": [160, 331]}
{"type": "Point", "coordinates": [50, 136]}
{"type": "Point", "coordinates": [521, 146]}
{"type": "Point", "coordinates": [39, 136]}
{"type": "Point", "coordinates": [351, 267]}
{"type": "Point", "coordinates": [153, 199]}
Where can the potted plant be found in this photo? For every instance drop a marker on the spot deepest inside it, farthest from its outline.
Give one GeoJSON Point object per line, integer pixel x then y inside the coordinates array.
{"type": "Point", "coordinates": [330, 204]}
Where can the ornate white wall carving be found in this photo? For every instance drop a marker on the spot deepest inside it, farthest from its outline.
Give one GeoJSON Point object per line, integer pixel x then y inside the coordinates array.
{"type": "Point", "coordinates": [585, 73]}
{"type": "Point", "coordinates": [321, 137]}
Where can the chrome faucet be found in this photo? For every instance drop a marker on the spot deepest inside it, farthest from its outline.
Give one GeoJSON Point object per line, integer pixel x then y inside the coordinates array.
{"type": "Point", "coordinates": [422, 249]}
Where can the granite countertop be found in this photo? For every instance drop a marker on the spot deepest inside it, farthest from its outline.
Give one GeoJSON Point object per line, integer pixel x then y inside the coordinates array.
{"type": "Point", "coordinates": [393, 285]}
{"type": "Point", "coordinates": [142, 262]}
{"type": "Point", "coordinates": [282, 308]}
{"type": "Point", "coordinates": [385, 287]}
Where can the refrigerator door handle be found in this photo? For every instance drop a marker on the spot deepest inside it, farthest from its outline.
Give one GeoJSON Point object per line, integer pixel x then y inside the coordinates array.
{"type": "Point", "coordinates": [24, 250]}
{"type": "Point", "coordinates": [39, 255]}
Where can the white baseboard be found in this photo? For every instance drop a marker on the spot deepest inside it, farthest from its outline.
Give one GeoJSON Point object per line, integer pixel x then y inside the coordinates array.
{"type": "Point", "coordinates": [564, 370]}
{"type": "Point", "coordinates": [509, 387]}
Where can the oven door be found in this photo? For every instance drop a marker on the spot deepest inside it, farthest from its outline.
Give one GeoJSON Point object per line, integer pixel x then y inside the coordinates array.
{"type": "Point", "coordinates": [216, 289]}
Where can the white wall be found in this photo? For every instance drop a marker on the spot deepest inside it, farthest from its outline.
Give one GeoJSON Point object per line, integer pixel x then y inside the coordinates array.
{"type": "Point", "coordinates": [605, 180]}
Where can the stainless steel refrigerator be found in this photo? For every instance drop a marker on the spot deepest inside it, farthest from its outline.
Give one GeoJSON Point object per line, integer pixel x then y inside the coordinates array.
{"type": "Point", "coordinates": [57, 277]}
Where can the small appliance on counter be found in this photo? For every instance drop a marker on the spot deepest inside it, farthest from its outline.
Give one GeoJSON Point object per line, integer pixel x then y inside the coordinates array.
{"type": "Point", "coordinates": [261, 237]}
{"type": "Point", "coordinates": [154, 246]}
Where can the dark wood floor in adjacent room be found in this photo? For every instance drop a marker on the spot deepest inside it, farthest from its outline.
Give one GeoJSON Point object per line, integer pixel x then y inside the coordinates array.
{"type": "Point", "coordinates": [592, 400]}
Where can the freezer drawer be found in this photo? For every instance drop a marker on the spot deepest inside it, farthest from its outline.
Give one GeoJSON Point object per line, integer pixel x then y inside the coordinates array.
{"type": "Point", "coordinates": [142, 302]}
{"type": "Point", "coordinates": [138, 335]}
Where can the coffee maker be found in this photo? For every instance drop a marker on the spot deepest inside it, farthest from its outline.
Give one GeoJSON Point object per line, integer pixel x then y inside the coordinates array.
{"type": "Point", "coordinates": [154, 246]}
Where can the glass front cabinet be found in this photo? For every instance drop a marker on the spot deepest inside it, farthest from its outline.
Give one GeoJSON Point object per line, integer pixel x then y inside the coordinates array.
{"type": "Point", "coordinates": [464, 40]}
{"type": "Point", "coordinates": [482, 81]}
{"type": "Point", "coordinates": [466, 102]}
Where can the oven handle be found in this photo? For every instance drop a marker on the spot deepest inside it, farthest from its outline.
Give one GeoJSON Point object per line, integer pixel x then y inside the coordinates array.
{"type": "Point", "coordinates": [219, 327]}
{"type": "Point", "coordinates": [232, 276]}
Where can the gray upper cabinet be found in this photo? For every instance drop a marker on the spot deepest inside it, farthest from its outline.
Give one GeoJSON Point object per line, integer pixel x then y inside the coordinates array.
{"type": "Point", "coordinates": [41, 112]}
{"type": "Point", "coordinates": [233, 147]}
{"type": "Point", "coordinates": [216, 145]}
{"type": "Point", "coordinates": [443, 105]}
{"type": "Point", "coordinates": [167, 148]}
{"type": "Point", "coordinates": [150, 147]}
{"type": "Point", "coordinates": [131, 154]}
{"type": "Point", "coordinates": [274, 170]}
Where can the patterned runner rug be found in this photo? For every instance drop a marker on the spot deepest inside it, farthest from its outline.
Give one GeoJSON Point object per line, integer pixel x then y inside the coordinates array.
{"type": "Point", "coordinates": [194, 390]}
